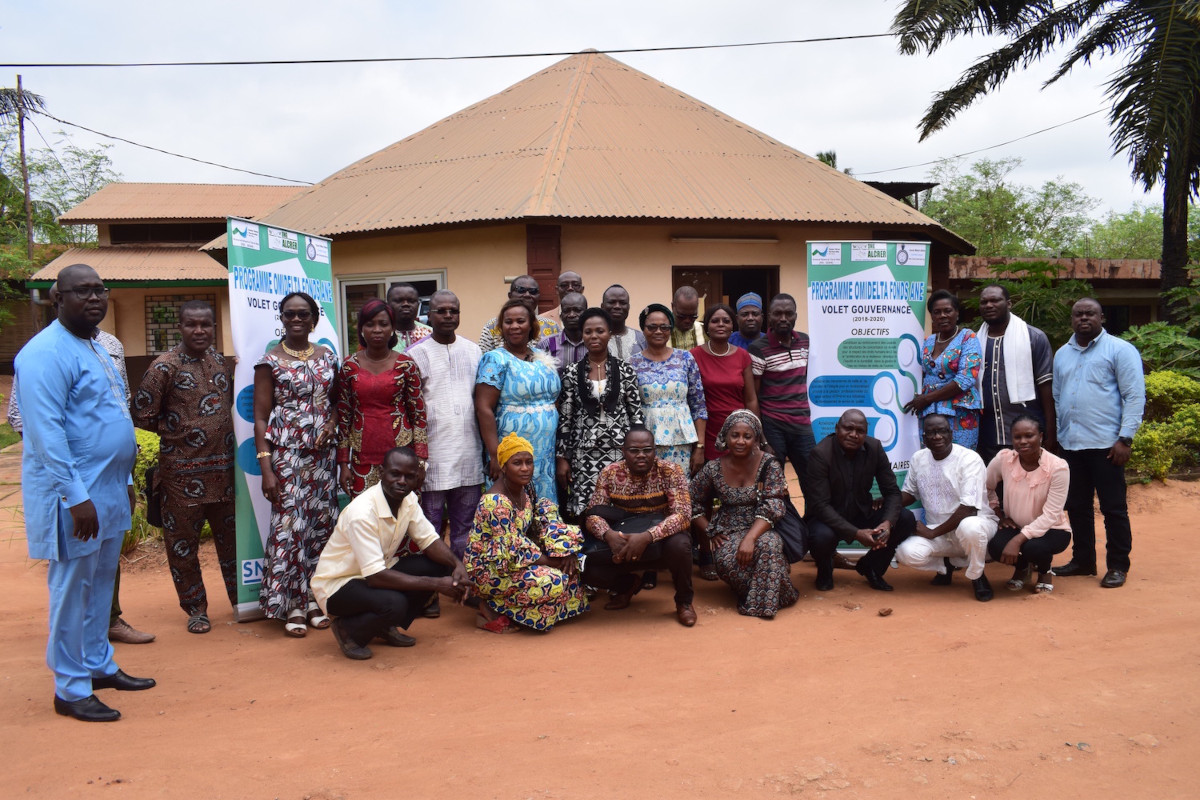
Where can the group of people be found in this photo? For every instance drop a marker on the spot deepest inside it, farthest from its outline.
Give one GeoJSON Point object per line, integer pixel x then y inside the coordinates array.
{"type": "Point", "coordinates": [565, 456]}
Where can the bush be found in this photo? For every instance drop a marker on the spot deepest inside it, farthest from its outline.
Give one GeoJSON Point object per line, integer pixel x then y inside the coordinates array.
{"type": "Point", "coordinates": [1166, 347]}
{"type": "Point", "coordinates": [1155, 450]}
{"type": "Point", "coordinates": [1167, 392]}
{"type": "Point", "coordinates": [147, 456]}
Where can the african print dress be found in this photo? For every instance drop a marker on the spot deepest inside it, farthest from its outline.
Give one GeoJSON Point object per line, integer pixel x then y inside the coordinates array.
{"type": "Point", "coordinates": [307, 510]}
{"type": "Point", "coordinates": [501, 561]}
{"type": "Point", "coordinates": [960, 362]}
{"type": "Point", "coordinates": [527, 407]}
{"type": "Point", "coordinates": [765, 586]}
{"type": "Point", "coordinates": [672, 397]}
{"type": "Point", "coordinates": [375, 414]}
{"type": "Point", "coordinates": [593, 419]}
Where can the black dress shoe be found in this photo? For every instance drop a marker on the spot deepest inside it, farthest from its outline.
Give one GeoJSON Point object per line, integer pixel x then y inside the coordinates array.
{"type": "Point", "coordinates": [824, 582]}
{"type": "Point", "coordinates": [1071, 569]}
{"type": "Point", "coordinates": [983, 589]}
{"type": "Point", "coordinates": [1112, 579]}
{"type": "Point", "coordinates": [122, 682]}
{"type": "Point", "coordinates": [394, 638]}
{"type": "Point", "coordinates": [944, 578]}
{"type": "Point", "coordinates": [874, 580]}
{"type": "Point", "coordinates": [89, 709]}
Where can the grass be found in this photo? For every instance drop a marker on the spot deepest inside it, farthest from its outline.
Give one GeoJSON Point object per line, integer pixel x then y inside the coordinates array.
{"type": "Point", "coordinates": [8, 435]}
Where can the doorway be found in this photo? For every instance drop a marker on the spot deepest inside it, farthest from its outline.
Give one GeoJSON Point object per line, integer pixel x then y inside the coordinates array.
{"type": "Point", "coordinates": [727, 284]}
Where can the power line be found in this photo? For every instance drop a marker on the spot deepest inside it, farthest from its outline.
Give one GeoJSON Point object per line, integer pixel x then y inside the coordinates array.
{"type": "Point", "coordinates": [409, 59]}
{"type": "Point", "coordinates": [982, 149]}
{"type": "Point", "coordinates": [169, 153]}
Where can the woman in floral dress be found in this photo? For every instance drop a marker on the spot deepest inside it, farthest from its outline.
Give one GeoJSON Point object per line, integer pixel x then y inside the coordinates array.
{"type": "Point", "coordinates": [294, 427]}
{"type": "Point", "coordinates": [520, 555]}
{"type": "Point", "coordinates": [745, 488]}
{"type": "Point", "coordinates": [379, 402]}
{"type": "Point", "coordinates": [951, 359]}
{"type": "Point", "coordinates": [600, 399]}
{"type": "Point", "coordinates": [516, 391]}
{"type": "Point", "coordinates": [672, 391]}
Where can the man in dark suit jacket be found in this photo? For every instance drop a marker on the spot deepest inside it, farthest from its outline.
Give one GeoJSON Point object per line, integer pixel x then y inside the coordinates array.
{"type": "Point", "coordinates": [841, 469]}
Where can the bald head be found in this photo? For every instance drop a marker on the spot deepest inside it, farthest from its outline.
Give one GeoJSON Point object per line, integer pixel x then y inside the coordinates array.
{"type": "Point", "coordinates": [82, 299]}
{"type": "Point", "coordinates": [851, 430]}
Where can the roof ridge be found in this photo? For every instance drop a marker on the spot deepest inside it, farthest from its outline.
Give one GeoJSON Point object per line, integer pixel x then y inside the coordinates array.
{"type": "Point", "coordinates": [556, 154]}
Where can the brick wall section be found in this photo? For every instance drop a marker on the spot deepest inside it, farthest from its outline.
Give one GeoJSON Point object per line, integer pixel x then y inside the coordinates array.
{"type": "Point", "coordinates": [162, 319]}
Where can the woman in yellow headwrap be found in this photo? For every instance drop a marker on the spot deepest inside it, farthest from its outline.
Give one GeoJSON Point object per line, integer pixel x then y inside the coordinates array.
{"type": "Point", "coordinates": [521, 556]}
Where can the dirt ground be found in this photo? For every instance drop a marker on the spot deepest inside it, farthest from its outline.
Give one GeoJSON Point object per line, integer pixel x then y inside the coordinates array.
{"type": "Point", "coordinates": [1083, 692]}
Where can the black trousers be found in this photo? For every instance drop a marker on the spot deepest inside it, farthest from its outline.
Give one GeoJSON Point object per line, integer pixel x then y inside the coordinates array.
{"type": "Point", "coordinates": [365, 612]}
{"type": "Point", "coordinates": [1093, 475]}
{"type": "Point", "coordinates": [1039, 551]}
{"type": "Point", "coordinates": [822, 543]}
{"type": "Point", "coordinates": [600, 571]}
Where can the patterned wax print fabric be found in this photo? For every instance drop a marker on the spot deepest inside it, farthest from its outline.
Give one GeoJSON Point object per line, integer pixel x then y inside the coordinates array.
{"type": "Point", "coordinates": [501, 561]}
{"type": "Point", "coordinates": [528, 394]}
{"type": "Point", "coordinates": [960, 363]}
{"type": "Point", "coordinates": [594, 417]}
{"type": "Point", "coordinates": [724, 390]}
{"type": "Point", "coordinates": [490, 338]}
{"type": "Point", "coordinates": [406, 339]}
{"type": "Point", "coordinates": [376, 413]}
{"type": "Point", "coordinates": [765, 586]}
{"type": "Point", "coordinates": [188, 402]}
{"type": "Point", "coordinates": [672, 396]}
{"type": "Point", "coordinates": [307, 510]}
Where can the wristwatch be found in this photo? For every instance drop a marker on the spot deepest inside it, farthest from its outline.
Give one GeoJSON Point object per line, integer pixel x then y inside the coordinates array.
{"type": "Point", "coordinates": [1125, 440]}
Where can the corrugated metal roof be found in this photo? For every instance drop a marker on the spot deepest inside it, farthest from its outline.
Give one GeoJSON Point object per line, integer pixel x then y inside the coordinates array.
{"type": "Point", "coordinates": [590, 138]}
{"type": "Point", "coordinates": [139, 264]}
{"type": "Point", "coordinates": [126, 202]}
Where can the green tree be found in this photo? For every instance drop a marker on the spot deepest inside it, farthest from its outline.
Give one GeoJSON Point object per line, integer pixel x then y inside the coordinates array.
{"type": "Point", "coordinates": [1039, 296]}
{"type": "Point", "coordinates": [1155, 90]}
{"type": "Point", "coordinates": [1137, 233]}
{"type": "Point", "coordinates": [829, 159]}
{"type": "Point", "coordinates": [1004, 218]}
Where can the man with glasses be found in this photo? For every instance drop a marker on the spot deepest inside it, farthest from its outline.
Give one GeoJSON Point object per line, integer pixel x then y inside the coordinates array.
{"type": "Point", "coordinates": [526, 289]}
{"type": "Point", "coordinates": [567, 283]}
{"type": "Point", "coordinates": [77, 490]}
{"type": "Point", "coordinates": [688, 331]}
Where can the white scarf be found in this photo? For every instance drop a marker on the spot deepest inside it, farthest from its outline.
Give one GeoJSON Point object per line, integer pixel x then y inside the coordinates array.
{"type": "Point", "coordinates": [1018, 360]}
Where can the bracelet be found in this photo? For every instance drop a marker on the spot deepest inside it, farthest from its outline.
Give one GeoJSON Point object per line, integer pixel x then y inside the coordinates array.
{"type": "Point", "coordinates": [263, 454]}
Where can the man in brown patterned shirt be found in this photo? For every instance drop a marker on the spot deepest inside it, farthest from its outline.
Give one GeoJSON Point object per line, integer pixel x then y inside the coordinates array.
{"type": "Point", "coordinates": [640, 488]}
{"type": "Point", "coordinates": [186, 397]}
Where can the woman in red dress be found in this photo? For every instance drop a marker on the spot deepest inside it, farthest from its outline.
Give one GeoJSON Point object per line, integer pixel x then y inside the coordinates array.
{"type": "Point", "coordinates": [380, 405]}
{"type": "Point", "coordinates": [725, 373]}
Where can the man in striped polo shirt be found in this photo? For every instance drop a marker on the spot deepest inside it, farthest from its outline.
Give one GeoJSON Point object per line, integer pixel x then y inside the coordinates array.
{"type": "Point", "coordinates": [780, 364]}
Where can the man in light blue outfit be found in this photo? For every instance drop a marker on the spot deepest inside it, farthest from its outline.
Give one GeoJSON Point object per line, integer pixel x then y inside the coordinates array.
{"type": "Point", "coordinates": [75, 480]}
{"type": "Point", "coordinates": [1099, 395]}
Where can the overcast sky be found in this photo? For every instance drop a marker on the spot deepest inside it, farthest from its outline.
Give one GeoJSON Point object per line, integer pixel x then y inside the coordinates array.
{"type": "Point", "coordinates": [860, 98]}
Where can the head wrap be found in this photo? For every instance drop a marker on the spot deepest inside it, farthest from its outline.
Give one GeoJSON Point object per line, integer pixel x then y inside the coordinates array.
{"type": "Point", "coordinates": [650, 309]}
{"type": "Point", "coordinates": [511, 445]}
{"type": "Point", "coordinates": [741, 415]}
{"type": "Point", "coordinates": [749, 299]}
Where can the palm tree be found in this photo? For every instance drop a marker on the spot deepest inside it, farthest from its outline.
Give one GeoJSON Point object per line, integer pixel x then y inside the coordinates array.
{"type": "Point", "coordinates": [12, 100]}
{"type": "Point", "coordinates": [1155, 92]}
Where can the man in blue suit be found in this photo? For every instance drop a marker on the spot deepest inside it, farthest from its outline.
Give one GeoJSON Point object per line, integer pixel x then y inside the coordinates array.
{"type": "Point", "coordinates": [75, 481]}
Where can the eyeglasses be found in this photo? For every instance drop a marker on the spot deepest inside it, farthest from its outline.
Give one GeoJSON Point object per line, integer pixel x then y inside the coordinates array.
{"type": "Point", "coordinates": [662, 328]}
{"type": "Point", "coordinates": [526, 290]}
{"type": "Point", "coordinates": [679, 316]}
{"type": "Point", "coordinates": [639, 451]}
{"type": "Point", "coordinates": [84, 292]}
{"type": "Point", "coordinates": [294, 314]}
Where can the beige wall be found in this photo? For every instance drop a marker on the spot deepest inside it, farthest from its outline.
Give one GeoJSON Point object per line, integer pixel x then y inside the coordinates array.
{"type": "Point", "coordinates": [126, 317]}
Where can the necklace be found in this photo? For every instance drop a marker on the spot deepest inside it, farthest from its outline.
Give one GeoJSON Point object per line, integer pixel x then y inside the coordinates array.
{"type": "Point", "coordinates": [951, 336]}
{"type": "Point", "coordinates": [300, 354]}
{"type": "Point", "coordinates": [711, 352]}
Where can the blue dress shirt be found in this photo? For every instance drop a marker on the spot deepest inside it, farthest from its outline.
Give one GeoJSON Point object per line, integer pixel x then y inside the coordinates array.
{"type": "Point", "coordinates": [1099, 392]}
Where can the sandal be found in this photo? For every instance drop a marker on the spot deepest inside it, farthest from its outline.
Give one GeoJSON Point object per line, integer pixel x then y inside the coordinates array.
{"type": "Point", "coordinates": [708, 572]}
{"type": "Point", "coordinates": [500, 624]}
{"type": "Point", "coordinates": [316, 617]}
{"type": "Point", "coordinates": [1020, 577]}
{"type": "Point", "coordinates": [295, 624]}
{"type": "Point", "coordinates": [198, 623]}
{"type": "Point", "coordinates": [1045, 584]}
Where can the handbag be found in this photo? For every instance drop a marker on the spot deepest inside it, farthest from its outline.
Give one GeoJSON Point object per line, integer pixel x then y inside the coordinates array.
{"type": "Point", "coordinates": [790, 526]}
{"type": "Point", "coordinates": [622, 522]}
{"type": "Point", "coordinates": [153, 497]}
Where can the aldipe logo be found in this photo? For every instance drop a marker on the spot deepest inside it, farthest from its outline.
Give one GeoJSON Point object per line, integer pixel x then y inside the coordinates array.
{"type": "Point", "coordinates": [245, 235]}
{"type": "Point", "coordinates": [826, 253]}
{"type": "Point", "coordinates": [285, 241]}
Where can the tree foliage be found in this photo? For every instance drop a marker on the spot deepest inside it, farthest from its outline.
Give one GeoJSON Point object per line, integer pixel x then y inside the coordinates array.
{"type": "Point", "coordinates": [1004, 218]}
{"type": "Point", "coordinates": [1137, 233]}
{"type": "Point", "coordinates": [1155, 89]}
{"type": "Point", "coordinates": [1039, 296]}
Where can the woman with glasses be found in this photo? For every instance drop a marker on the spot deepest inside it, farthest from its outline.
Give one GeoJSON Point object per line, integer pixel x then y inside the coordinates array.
{"type": "Point", "coordinates": [295, 387]}
{"type": "Point", "coordinates": [379, 406]}
{"type": "Point", "coordinates": [672, 391]}
{"type": "Point", "coordinates": [516, 391]}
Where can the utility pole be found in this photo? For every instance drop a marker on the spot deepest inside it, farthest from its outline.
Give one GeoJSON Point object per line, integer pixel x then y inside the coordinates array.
{"type": "Point", "coordinates": [24, 171]}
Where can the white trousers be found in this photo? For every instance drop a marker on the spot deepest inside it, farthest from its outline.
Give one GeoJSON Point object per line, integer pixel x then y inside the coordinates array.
{"type": "Point", "coordinates": [965, 547]}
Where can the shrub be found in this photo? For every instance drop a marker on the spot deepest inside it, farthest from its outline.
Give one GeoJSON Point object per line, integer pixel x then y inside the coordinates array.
{"type": "Point", "coordinates": [147, 457]}
{"type": "Point", "coordinates": [1168, 391]}
{"type": "Point", "coordinates": [1155, 450]}
{"type": "Point", "coordinates": [1166, 347]}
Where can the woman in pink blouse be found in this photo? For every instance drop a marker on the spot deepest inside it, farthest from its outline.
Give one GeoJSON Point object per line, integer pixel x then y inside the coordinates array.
{"type": "Point", "coordinates": [1033, 526]}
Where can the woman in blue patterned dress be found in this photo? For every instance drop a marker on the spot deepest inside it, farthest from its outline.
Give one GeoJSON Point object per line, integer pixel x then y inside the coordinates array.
{"type": "Point", "coordinates": [951, 359]}
{"type": "Point", "coordinates": [672, 392]}
{"type": "Point", "coordinates": [516, 389]}
{"type": "Point", "coordinates": [294, 434]}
